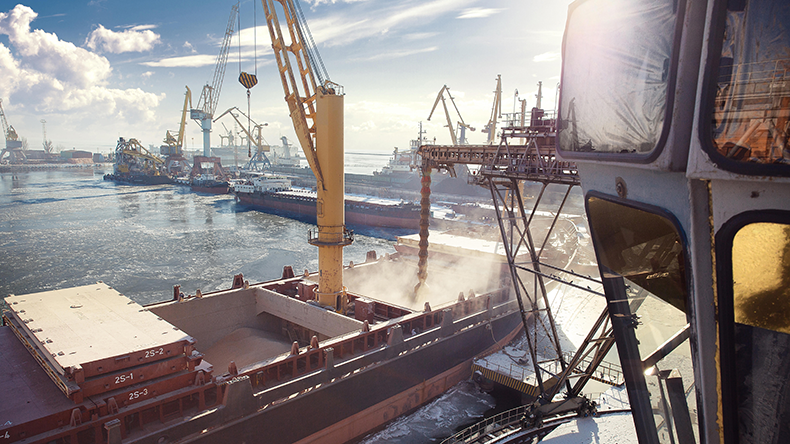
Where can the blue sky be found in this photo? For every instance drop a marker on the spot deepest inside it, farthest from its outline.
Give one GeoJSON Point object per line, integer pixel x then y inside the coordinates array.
{"type": "Point", "coordinates": [96, 70]}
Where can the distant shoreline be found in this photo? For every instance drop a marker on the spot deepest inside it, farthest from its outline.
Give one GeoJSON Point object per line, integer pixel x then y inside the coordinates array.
{"type": "Point", "coordinates": [15, 168]}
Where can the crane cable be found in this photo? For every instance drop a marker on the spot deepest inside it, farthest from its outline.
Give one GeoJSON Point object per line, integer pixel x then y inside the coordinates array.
{"type": "Point", "coordinates": [249, 80]}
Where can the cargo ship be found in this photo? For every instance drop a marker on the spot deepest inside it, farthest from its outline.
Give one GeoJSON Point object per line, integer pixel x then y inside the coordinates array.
{"type": "Point", "coordinates": [274, 193]}
{"type": "Point", "coordinates": [135, 165]}
{"type": "Point", "coordinates": [256, 362]}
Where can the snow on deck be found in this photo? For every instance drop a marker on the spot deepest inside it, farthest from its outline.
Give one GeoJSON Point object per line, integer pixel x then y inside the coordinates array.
{"type": "Point", "coordinates": [575, 312]}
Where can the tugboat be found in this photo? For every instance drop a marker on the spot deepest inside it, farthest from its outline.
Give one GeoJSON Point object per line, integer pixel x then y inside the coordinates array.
{"type": "Point", "coordinates": [208, 176]}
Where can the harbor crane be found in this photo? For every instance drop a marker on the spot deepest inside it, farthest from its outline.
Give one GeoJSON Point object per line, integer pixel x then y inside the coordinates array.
{"type": "Point", "coordinates": [173, 149]}
{"type": "Point", "coordinates": [47, 143]}
{"type": "Point", "coordinates": [496, 112]}
{"type": "Point", "coordinates": [316, 107]}
{"type": "Point", "coordinates": [13, 146]}
{"type": "Point", "coordinates": [261, 147]}
{"type": "Point", "coordinates": [462, 127]}
{"type": "Point", "coordinates": [209, 97]}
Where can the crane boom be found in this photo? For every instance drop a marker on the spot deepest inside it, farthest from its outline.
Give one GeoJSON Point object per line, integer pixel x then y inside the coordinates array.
{"type": "Point", "coordinates": [256, 126]}
{"type": "Point", "coordinates": [302, 107]}
{"type": "Point", "coordinates": [317, 114]}
{"type": "Point", "coordinates": [496, 112]}
{"type": "Point", "coordinates": [178, 141]}
{"type": "Point", "coordinates": [8, 131]}
{"type": "Point", "coordinates": [209, 97]}
{"type": "Point", "coordinates": [462, 126]}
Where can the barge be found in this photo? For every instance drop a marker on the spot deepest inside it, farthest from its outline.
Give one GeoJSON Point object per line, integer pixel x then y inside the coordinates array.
{"type": "Point", "coordinates": [273, 193]}
{"type": "Point", "coordinates": [135, 165]}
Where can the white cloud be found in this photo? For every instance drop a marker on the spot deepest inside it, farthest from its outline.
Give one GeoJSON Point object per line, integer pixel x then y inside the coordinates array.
{"type": "Point", "coordinates": [54, 76]}
{"type": "Point", "coordinates": [192, 61]}
{"type": "Point", "coordinates": [547, 57]}
{"type": "Point", "coordinates": [362, 23]}
{"type": "Point", "coordinates": [147, 74]}
{"type": "Point", "coordinates": [420, 35]}
{"type": "Point", "coordinates": [46, 54]}
{"type": "Point", "coordinates": [141, 27]}
{"type": "Point", "coordinates": [478, 12]}
{"type": "Point", "coordinates": [189, 46]}
{"type": "Point", "coordinates": [135, 39]}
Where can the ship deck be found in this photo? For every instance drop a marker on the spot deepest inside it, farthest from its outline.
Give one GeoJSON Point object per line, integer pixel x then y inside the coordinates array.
{"type": "Point", "coordinates": [77, 326]}
{"type": "Point", "coordinates": [22, 378]}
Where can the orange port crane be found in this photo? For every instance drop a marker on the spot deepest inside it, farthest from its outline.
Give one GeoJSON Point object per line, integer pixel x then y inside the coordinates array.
{"type": "Point", "coordinates": [13, 145]}
{"type": "Point", "coordinates": [316, 107]}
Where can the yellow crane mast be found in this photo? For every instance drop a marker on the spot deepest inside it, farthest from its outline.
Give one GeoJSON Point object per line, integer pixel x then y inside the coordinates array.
{"type": "Point", "coordinates": [173, 148]}
{"type": "Point", "coordinates": [316, 108]}
{"type": "Point", "coordinates": [496, 112]}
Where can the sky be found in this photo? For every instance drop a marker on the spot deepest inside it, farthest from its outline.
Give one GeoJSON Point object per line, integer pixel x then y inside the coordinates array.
{"type": "Point", "coordinates": [102, 69]}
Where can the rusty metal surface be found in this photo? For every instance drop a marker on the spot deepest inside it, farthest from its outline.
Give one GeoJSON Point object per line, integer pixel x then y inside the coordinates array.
{"type": "Point", "coordinates": [521, 155]}
{"type": "Point", "coordinates": [25, 383]}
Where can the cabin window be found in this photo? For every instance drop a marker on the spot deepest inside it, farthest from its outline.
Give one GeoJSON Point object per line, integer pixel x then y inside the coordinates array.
{"type": "Point", "coordinates": [748, 106]}
{"type": "Point", "coordinates": [617, 60]}
{"type": "Point", "coordinates": [642, 256]}
{"type": "Point", "coordinates": [753, 256]}
{"type": "Point", "coordinates": [761, 276]}
{"type": "Point", "coordinates": [643, 247]}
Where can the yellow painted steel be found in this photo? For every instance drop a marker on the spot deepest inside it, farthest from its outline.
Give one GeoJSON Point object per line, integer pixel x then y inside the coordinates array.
{"type": "Point", "coordinates": [317, 114]}
{"type": "Point", "coordinates": [331, 205]}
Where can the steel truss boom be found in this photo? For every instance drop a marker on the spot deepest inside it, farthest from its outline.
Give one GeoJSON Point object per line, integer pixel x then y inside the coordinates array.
{"type": "Point", "coordinates": [504, 169]}
{"type": "Point", "coordinates": [316, 109]}
{"type": "Point", "coordinates": [301, 101]}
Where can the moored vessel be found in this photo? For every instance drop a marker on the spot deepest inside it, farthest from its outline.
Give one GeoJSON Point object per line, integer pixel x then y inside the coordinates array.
{"type": "Point", "coordinates": [135, 165]}
{"type": "Point", "coordinates": [208, 176]}
{"type": "Point", "coordinates": [273, 193]}
{"type": "Point", "coordinates": [88, 364]}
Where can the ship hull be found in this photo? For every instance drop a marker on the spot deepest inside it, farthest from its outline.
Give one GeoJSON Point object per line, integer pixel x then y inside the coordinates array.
{"type": "Point", "coordinates": [305, 208]}
{"type": "Point", "coordinates": [355, 404]}
{"type": "Point", "coordinates": [139, 179]}
{"type": "Point", "coordinates": [211, 189]}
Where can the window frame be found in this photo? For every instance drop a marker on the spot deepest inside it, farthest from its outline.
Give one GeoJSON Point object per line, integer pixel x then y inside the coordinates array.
{"type": "Point", "coordinates": [726, 309]}
{"type": "Point", "coordinates": [672, 75]}
{"type": "Point", "coordinates": [718, 22]}
{"type": "Point", "coordinates": [625, 336]}
{"type": "Point", "coordinates": [657, 211]}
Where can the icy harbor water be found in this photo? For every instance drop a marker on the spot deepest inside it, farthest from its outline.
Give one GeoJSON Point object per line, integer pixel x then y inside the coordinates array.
{"type": "Point", "coordinates": [462, 405]}
{"type": "Point", "coordinates": [65, 228]}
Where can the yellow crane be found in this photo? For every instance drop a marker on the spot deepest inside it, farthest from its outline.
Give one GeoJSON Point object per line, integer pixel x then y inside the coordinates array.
{"type": "Point", "coordinates": [462, 127]}
{"type": "Point", "coordinates": [316, 107]}
{"type": "Point", "coordinates": [496, 112]}
{"type": "Point", "coordinates": [173, 149]}
{"type": "Point", "coordinates": [13, 146]}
